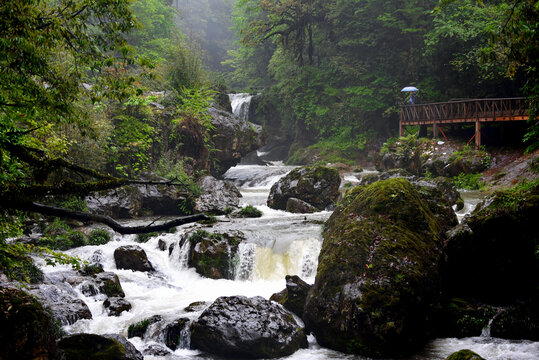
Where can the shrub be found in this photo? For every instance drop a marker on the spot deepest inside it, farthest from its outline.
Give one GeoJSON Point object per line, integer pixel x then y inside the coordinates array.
{"type": "Point", "coordinates": [77, 239]}
{"type": "Point", "coordinates": [250, 211]}
{"type": "Point", "coordinates": [468, 181]}
{"type": "Point", "coordinates": [98, 237]}
{"type": "Point", "coordinates": [142, 238]}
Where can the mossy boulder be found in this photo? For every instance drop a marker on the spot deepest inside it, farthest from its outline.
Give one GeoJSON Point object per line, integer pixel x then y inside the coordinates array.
{"type": "Point", "coordinates": [27, 330]}
{"type": "Point", "coordinates": [464, 355]}
{"type": "Point", "coordinates": [492, 253]}
{"type": "Point", "coordinates": [241, 327]}
{"type": "Point", "coordinates": [213, 254]}
{"type": "Point", "coordinates": [464, 161]}
{"type": "Point", "coordinates": [378, 274]}
{"type": "Point", "coordinates": [92, 346]}
{"type": "Point", "coordinates": [132, 257]}
{"type": "Point", "coordinates": [316, 185]}
{"type": "Point", "coordinates": [294, 295]}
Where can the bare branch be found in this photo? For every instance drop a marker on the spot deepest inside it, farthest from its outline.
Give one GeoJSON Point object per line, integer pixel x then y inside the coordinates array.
{"type": "Point", "coordinates": [113, 224]}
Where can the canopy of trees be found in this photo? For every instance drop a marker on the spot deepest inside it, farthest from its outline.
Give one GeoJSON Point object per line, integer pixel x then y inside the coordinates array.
{"type": "Point", "coordinates": [340, 64]}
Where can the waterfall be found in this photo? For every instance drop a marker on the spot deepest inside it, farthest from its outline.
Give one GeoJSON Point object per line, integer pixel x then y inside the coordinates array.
{"type": "Point", "coordinates": [240, 104]}
{"type": "Point", "coordinates": [245, 263]}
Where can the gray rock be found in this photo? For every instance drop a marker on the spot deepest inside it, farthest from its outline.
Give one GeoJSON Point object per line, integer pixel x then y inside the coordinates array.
{"type": "Point", "coordinates": [238, 326]}
{"type": "Point", "coordinates": [316, 185]}
{"type": "Point", "coordinates": [294, 205]}
{"type": "Point", "coordinates": [233, 138]}
{"type": "Point", "coordinates": [116, 306]}
{"type": "Point", "coordinates": [294, 295]}
{"type": "Point", "coordinates": [177, 334]}
{"type": "Point", "coordinates": [217, 196]}
{"type": "Point", "coordinates": [63, 302]}
{"type": "Point", "coordinates": [132, 257]}
{"type": "Point", "coordinates": [131, 201]}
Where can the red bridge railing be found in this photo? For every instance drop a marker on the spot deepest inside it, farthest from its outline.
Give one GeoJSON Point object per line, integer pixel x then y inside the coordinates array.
{"type": "Point", "coordinates": [485, 110]}
{"type": "Point", "coordinates": [464, 111]}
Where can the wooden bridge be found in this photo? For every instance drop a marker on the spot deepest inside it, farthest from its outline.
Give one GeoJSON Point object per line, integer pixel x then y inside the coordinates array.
{"type": "Point", "coordinates": [464, 111]}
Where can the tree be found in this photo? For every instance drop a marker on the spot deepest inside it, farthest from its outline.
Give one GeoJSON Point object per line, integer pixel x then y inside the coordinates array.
{"type": "Point", "coordinates": [54, 53]}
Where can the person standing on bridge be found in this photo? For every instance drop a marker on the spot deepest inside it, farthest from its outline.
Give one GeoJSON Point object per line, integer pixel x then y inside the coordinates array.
{"type": "Point", "coordinates": [413, 98]}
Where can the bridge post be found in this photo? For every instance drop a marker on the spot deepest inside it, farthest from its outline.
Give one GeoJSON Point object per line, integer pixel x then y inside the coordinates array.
{"type": "Point", "coordinates": [434, 129]}
{"type": "Point", "coordinates": [477, 134]}
{"type": "Point", "coordinates": [401, 126]}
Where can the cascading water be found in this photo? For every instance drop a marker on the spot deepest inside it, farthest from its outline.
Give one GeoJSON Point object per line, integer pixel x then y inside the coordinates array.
{"type": "Point", "coordinates": [240, 104]}
{"type": "Point", "coordinates": [278, 243]}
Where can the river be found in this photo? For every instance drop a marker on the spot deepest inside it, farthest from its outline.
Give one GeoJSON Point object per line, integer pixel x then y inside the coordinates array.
{"type": "Point", "coordinates": [278, 243]}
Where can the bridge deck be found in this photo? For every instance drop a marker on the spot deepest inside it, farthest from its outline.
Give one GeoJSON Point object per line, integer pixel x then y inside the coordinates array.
{"type": "Point", "coordinates": [464, 111]}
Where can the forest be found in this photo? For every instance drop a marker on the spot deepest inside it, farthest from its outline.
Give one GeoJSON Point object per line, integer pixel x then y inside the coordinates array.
{"type": "Point", "coordinates": [83, 83]}
{"type": "Point", "coordinates": [100, 95]}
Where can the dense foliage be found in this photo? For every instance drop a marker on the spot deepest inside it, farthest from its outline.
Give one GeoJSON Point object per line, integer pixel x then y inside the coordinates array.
{"type": "Point", "coordinates": [339, 65]}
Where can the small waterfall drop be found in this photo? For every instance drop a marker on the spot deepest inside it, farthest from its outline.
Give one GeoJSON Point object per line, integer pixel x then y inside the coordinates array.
{"type": "Point", "coordinates": [240, 104]}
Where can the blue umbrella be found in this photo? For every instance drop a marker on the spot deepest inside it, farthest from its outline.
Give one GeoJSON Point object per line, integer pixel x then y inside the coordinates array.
{"type": "Point", "coordinates": [410, 88]}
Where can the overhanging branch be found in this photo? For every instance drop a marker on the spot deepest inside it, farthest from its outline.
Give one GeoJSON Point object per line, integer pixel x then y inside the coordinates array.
{"type": "Point", "coordinates": [113, 224]}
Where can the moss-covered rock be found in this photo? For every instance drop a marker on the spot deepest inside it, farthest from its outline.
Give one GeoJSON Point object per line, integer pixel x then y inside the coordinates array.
{"type": "Point", "coordinates": [464, 161]}
{"type": "Point", "coordinates": [103, 347]}
{"type": "Point", "coordinates": [213, 254]}
{"type": "Point", "coordinates": [490, 255]}
{"type": "Point", "coordinates": [27, 331]}
{"type": "Point", "coordinates": [464, 355]}
{"type": "Point", "coordinates": [316, 185]}
{"type": "Point", "coordinates": [377, 279]}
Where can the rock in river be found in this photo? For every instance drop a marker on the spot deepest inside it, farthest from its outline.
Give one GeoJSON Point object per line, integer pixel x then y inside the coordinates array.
{"type": "Point", "coordinates": [238, 326]}
{"type": "Point", "coordinates": [378, 275]}
{"type": "Point", "coordinates": [132, 257]}
{"type": "Point", "coordinates": [316, 185]}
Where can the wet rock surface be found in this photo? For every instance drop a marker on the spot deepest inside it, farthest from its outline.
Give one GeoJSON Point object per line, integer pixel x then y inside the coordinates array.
{"type": "Point", "coordinates": [213, 254]}
{"type": "Point", "coordinates": [92, 346]}
{"type": "Point", "coordinates": [217, 197]}
{"type": "Point", "coordinates": [247, 327]}
{"type": "Point", "coordinates": [464, 355]}
{"type": "Point", "coordinates": [294, 205]}
{"type": "Point", "coordinates": [131, 201]}
{"type": "Point", "coordinates": [294, 295]}
{"type": "Point", "coordinates": [177, 334]}
{"type": "Point", "coordinates": [317, 186]}
{"type": "Point", "coordinates": [132, 257]}
{"type": "Point", "coordinates": [489, 254]}
{"type": "Point", "coordinates": [62, 301]}
{"type": "Point", "coordinates": [233, 138]}
{"type": "Point", "coordinates": [116, 306]}
{"type": "Point", "coordinates": [378, 275]}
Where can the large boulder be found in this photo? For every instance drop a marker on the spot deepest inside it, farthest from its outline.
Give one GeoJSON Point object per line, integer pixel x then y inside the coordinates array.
{"type": "Point", "coordinates": [131, 201]}
{"type": "Point", "coordinates": [132, 257]}
{"type": "Point", "coordinates": [116, 306]}
{"type": "Point", "coordinates": [490, 254]}
{"type": "Point", "coordinates": [92, 346]}
{"type": "Point", "coordinates": [238, 326]}
{"type": "Point", "coordinates": [316, 185]}
{"type": "Point", "coordinates": [232, 138]}
{"type": "Point", "coordinates": [212, 254]}
{"type": "Point", "coordinates": [378, 276]}
{"type": "Point", "coordinates": [218, 196]}
{"type": "Point", "coordinates": [294, 295]}
{"type": "Point", "coordinates": [27, 331]}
